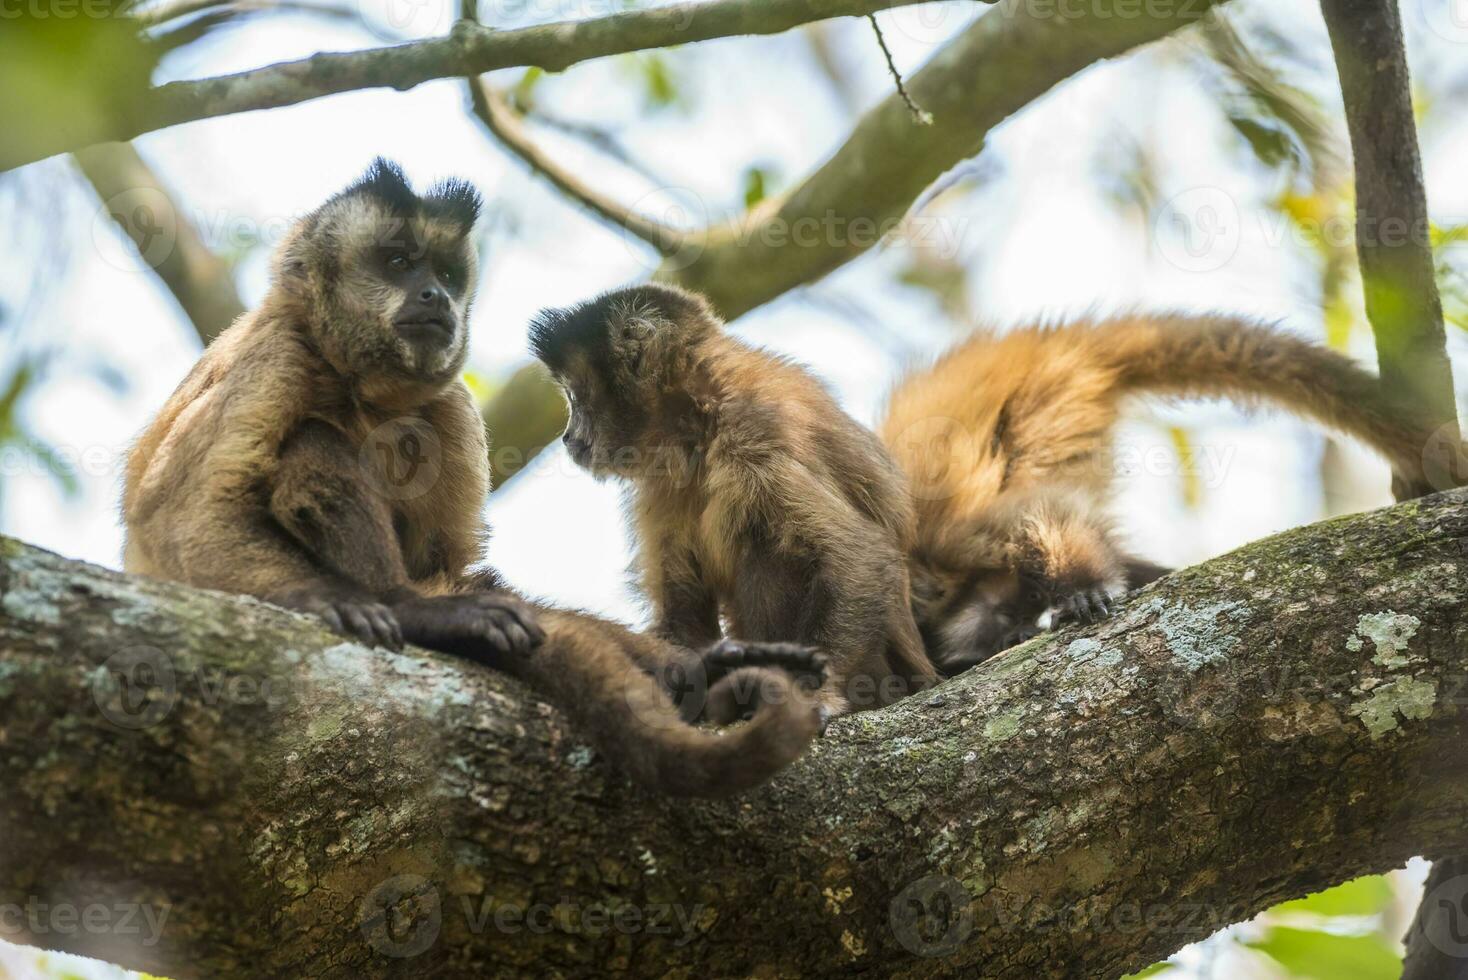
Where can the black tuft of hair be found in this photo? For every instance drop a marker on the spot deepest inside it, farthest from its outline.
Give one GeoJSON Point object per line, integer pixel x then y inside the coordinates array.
{"type": "Point", "coordinates": [555, 333]}
{"type": "Point", "coordinates": [385, 182]}
{"type": "Point", "coordinates": [586, 327]}
{"type": "Point", "coordinates": [454, 200]}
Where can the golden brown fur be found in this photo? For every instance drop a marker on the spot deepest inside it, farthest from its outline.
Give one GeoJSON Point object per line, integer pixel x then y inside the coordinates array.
{"type": "Point", "coordinates": [324, 454]}
{"type": "Point", "coordinates": [1006, 442]}
{"type": "Point", "coordinates": [755, 499]}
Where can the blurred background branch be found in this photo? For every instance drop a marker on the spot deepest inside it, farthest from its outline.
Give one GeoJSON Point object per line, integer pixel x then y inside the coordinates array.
{"type": "Point", "coordinates": [143, 208]}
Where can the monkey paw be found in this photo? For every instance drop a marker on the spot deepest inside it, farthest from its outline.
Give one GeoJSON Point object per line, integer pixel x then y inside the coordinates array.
{"type": "Point", "coordinates": [727, 656]}
{"type": "Point", "coordinates": [483, 626]}
{"type": "Point", "coordinates": [1088, 605]}
{"type": "Point", "coordinates": [365, 619]}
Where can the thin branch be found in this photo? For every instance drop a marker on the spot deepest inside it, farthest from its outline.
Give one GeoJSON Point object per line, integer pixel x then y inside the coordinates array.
{"type": "Point", "coordinates": [165, 238]}
{"type": "Point", "coordinates": [502, 121]}
{"type": "Point", "coordinates": [920, 115]}
{"type": "Point", "coordinates": [469, 49]}
{"type": "Point", "coordinates": [1392, 231]}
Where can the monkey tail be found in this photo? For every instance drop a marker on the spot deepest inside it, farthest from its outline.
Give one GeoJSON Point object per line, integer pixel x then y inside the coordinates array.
{"type": "Point", "coordinates": [597, 673]}
{"type": "Point", "coordinates": [1208, 356]}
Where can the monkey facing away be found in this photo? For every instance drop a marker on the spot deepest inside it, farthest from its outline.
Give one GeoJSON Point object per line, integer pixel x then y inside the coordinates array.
{"type": "Point", "coordinates": [324, 455]}
{"type": "Point", "coordinates": [755, 499]}
{"type": "Point", "coordinates": [1006, 442]}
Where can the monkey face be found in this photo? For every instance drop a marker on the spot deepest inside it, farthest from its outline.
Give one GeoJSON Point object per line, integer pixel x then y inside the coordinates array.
{"type": "Point", "coordinates": [387, 277]}
{"type": "Point", "coordinates": [967, 617]}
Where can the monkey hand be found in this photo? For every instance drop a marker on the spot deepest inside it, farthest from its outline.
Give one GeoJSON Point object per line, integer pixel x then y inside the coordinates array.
{"type": "Point", "coordinates": [727, 656]}
{"type": "Point", "coordinates": [737, 676]}
{"type": "Point", "coordinates": [1089, 604]}
{"type": "Point", "coordinates": [488, 627]}
{"type": "Point", "coordinates": [350, 613]}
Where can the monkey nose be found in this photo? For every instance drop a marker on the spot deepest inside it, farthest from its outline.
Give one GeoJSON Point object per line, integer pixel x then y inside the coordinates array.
{"type": "Point", "coordinates": [433, 296]}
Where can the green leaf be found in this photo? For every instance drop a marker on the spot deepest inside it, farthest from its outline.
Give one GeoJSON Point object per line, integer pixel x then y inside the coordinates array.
{"type": "Point", "coordinates": [756, 180]}
{"type": "Point", "coordinates": [1324, 956]}
{"type": "Point", "coordinates": [1364, 896]}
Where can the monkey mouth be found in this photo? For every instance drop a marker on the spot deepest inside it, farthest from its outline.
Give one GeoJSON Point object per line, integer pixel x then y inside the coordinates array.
{"type": "Point", "coordinates": [426, 330]}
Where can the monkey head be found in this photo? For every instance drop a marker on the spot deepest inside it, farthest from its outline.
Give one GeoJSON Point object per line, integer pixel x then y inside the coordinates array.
{"type": "Point", "coordinates": [967, 615]}
{"type": "Point", "coordinates": [384, 278]}
{"type": "Point", "coordinates": [628, 363]}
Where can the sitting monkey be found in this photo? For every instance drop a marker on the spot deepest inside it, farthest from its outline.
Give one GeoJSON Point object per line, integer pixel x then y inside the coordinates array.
{"type": "Point", "coordinates": [324, 455]}
{"type": "Point", "coordinates": [756, 499]}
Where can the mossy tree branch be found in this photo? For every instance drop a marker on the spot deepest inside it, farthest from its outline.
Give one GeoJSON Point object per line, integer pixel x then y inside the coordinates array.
{"type": "Point", "coordinates": [283, 802]}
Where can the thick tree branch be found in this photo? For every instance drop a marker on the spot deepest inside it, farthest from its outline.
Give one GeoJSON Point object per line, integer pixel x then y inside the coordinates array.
{"type": "Point", "coordinates": [1392, 230]}
{"type": "Point", "coordinates": [469, 49]}
{"type": "Point", "coordinates": [1007, 59]}
{"type": "Point", "coordinates": [165, 238]}
{"type": "Point", "coordinates": [289, 803]}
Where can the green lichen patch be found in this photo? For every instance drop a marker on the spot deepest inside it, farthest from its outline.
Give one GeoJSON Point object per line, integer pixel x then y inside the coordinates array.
{"type": "Point", "coordinates": [1390, 632]}
{"type": "Point", "coordinates": [1409, 697]}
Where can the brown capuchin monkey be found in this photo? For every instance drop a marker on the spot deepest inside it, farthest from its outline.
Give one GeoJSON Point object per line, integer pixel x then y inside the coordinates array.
{"type": "Point", "coordinates": [757, 503]}
{"type": "Point", "coordinates": [325, 455]}
{"type": "Point", "coordinates": [1006, 442]}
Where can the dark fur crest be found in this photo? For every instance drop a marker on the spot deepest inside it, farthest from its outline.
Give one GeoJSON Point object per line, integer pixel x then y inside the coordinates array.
{"type": "Point", "coordinates": [454, 200]}
{"type": "Point", "coordinates": [555, 333]}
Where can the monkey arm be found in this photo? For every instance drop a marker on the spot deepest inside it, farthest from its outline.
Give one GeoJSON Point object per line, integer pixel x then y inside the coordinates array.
{"type": "Point", "coordinates": [323, 498]}
{"type": "Point", "coordinates": [1061, 544]}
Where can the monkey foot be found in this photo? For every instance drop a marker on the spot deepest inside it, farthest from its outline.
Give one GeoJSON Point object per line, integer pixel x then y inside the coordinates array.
{"type": "Point", "coordinates": [727, 656]}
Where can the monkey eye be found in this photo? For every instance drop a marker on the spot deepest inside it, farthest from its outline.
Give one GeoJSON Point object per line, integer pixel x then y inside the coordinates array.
{"type": "Point", "coordinates": [399, 261]}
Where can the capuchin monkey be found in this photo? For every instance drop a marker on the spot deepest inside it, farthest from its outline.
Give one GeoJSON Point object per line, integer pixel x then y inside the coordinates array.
{"type": "Point", "coordinates": [1006, 442]}
{"type": "Point", "coordinates": [755, 499]}
{"type": "Point", "coordinates": [324, 455]}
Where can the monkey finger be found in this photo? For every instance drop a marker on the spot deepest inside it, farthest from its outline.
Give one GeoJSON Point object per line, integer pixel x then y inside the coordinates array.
{"type": "Point", "coordinates": [520, 642]}
{"type": "Point", "coordinates": [332, 618]}
{"type": "Point", "coordinates": [491, 633]}
{"type": "Point", "coordinates": [357, 623]}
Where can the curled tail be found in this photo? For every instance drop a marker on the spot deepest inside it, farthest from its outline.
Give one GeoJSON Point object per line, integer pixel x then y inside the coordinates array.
{"type": "Point", "coordinates": [1211, 356]}
{"type": "Point", "coordinates": [600, 675]}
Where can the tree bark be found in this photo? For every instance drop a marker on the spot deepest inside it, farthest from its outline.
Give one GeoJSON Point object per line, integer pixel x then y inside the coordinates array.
{"type": "Point", "coordinates": [279, 801]}
{"type": "Point", "coordinates": [1392, 229]}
